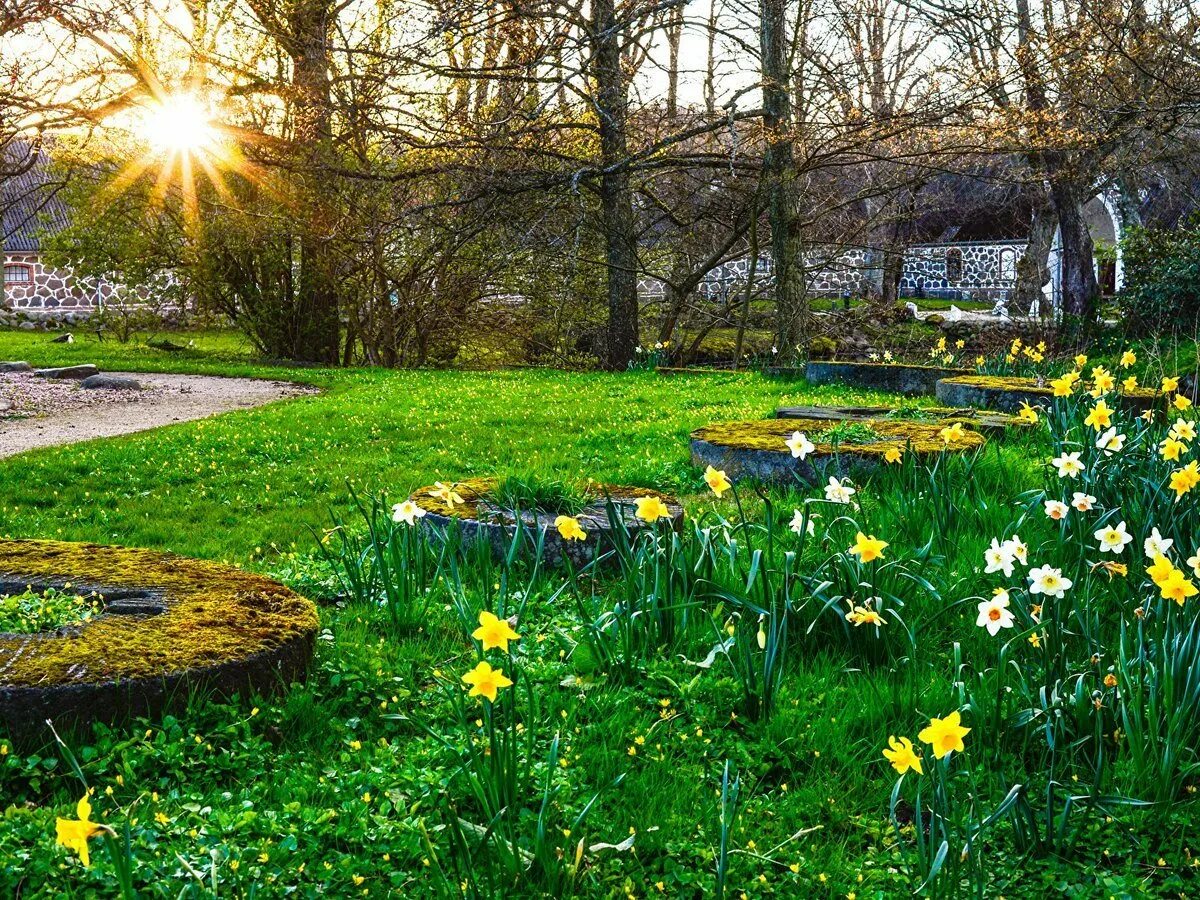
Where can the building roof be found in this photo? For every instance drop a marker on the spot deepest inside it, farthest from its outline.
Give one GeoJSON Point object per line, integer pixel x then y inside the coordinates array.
{"type": "Point", "coordinates": [29, 198]}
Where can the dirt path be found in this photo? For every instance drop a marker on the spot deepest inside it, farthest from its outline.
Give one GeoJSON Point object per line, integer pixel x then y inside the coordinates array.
{"type": "Point", "coordinates": [51, 413]}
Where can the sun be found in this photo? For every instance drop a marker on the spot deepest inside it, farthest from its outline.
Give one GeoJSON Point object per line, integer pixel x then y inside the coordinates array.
{"type": "Point", "coordinates": [179, 124]}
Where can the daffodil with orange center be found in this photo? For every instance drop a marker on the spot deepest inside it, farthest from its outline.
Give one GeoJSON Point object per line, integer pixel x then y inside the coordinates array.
{"type": "Point", "coordinates": [486, 681]}
{"type": "Point", "coordinates": [867, 547]}
{"type": "Point", "coordinates": [945, 735]}
{"type": "Point", "coordinates": [494, 632]}
{"type": "Point", "coordinates": [902, 756]}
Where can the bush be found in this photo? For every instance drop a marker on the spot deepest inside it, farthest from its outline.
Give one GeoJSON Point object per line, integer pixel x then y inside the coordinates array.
{"type": "Point", "coordinates": [1162, 276]}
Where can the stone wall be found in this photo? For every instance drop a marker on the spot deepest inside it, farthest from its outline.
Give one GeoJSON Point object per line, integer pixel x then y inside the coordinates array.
{"type": "Point", "coordinates": [52, 291]}
{"type": "Point", "coordinates": [981, 270]}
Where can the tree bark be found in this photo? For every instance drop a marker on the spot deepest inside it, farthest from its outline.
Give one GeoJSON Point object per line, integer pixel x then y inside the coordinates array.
{"type": "Point", "coordinates": [791, 306]}
{"type": "Point", "coordinates": [1079, 288]}
{"type": "Point", "coordinates": [1033, 268]}
{"type": "Point", "coordinates": [616, 197]}
{"type": "Point", "coordinates": [315, 329]}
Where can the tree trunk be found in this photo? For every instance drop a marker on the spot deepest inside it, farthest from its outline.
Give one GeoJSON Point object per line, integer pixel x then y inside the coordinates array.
{"type": "Point", "coordinates": [315, 330]}
{"type": "Point", "coordinates": [1033, 268]}
{"type": "Point", "coordinates": [1079, 289]}
{"type": "Point", "coordinates": [791, 307]}
{"type": "Point", "coordinates": [616, 198]}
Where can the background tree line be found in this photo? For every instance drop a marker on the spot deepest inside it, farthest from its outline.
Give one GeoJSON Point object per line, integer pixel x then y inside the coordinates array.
{"type": "Point", "coordinates": [395, 182]}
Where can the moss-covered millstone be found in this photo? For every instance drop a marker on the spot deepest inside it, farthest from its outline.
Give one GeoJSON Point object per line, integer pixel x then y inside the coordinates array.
{"type": "Point", "coordinates": [169, 625]}
{"type": "Point", "coordinates": [479, 516]}
{"type": "Point", "coordinates": [903, 379]}
{"type": "Point", "coordinates": [758, 450]}
{"type": "Point", "coordinates": [988, 421]}
{"type": "Point", "coordinates": [1007, 393]}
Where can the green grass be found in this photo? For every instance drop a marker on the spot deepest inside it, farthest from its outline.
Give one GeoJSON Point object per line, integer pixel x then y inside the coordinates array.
{"type": "Point", "coordinates": [333, 788]}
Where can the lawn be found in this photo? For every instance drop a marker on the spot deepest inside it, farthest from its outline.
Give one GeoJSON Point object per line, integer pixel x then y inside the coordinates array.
{"type": "Point", "coordinates": [363, 781]}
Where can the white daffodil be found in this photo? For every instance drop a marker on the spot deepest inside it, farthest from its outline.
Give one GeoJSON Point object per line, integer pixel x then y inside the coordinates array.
{"type": "Point", "coordinates": [994, 614]}
{"type": "Point", "coordinates": [1083, 502]}
{"type": "Point", "coordinates": [1056, 510]}
{"type": "Point", "coordinates": [407, 512]}
{"type": "Point", "coordinates": [1068, 465]}
{"type": "Point", "coordinates": [1110, 442]}
{"type": "Point", "coordinates": [839, 491]}
{"type": "Point", "coordinates": [1018, 549]}
{"type": "Point", "coordinates": [1157, 545]}
{"type": "Point", "coordinates": [1113, 540]}
{"type": "Point", "coordinates": [800, 445]}
{"type": "Point", "coordinates": [798, 524]}
{"type": "Point", "coordinates": [998, 558]}
{"type": "Point", "coordinates": [1049, 581]}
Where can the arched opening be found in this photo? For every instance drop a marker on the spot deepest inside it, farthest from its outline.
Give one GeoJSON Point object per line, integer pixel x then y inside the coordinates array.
{"type": "Point", "coordinates": [954, 266]}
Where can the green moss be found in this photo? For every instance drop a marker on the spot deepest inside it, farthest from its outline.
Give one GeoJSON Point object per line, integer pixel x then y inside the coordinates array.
{"type": "Point", "coordinates": [214, 614]}
{"type": "Point", "coordinates": [476, 491]}
{"type": "Point", "coordinates": [1031, 385]}
{"type": "Point", "coordinates": [770, 434]}
{"type": "Point", "coordinates": [893, 365]}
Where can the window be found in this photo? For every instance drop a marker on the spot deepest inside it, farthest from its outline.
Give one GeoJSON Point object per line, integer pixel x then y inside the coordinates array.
{"type": "Point", "coordinates": [954, 265]}
{"type": "Point", "coordinates": [1008, 264]}
{"type": "Point", "coordinates": [14, 274]}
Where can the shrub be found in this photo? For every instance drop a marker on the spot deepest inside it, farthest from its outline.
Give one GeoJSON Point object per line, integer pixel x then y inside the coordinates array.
{"type": "Point", "coordinates": [1162, 276]}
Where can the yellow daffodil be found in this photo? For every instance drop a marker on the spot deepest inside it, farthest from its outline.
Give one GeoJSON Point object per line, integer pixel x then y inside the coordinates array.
{"type": "Point", "coordinates": [1171, 449]}
{"type": "Point", "coordinates": [1100, 417]}
{"type": "Point", "coordinates": [864, 615]}
{"type": "Point", "coordinates": [952, 433]}
{"type": "Point", "coordinates": [570, 529]}
{"type": "Point", "coordinates": [1177, 586]}
{"type": "Point", "coordinates": [867, 547]}
{"type": "Point", "coordinates": [651, 509]}
{"type": "Point", "coordinates": [1169, 384]}
{"type": "Point", "coordinates": [1102, 380]}
{"type": "Point", "coordinates": [1062, 387]}
{"type": "Point", "coordinates": [902, 756]}
{"type": "Point", "coordinates": [1183, 480]}
{"type": "Point", "coordinates": [945, 735]}
{"type": "Point", "coordinates": [1027, 414]}
{"type": "Point", "coordinates": [716, 480]}
{"type": "Point", "coordinates": [74, 833]}
{"type": "Point", "coordinates": [1128, 358]}
{"type": "Point", "coordinates": [494, 632]}
{"type": "Point", "coordinates": [1181, 402]}
{"type": "Point", "coordinates": [1130, 384]}
{"type": "Point", "coordinates": [1080, 361]}
{"type": "Point", "coordinates": [893, 454]}
{"type": "Point", "coordinates": [1159, 569]}
{"type": "Point", "coordinates": [486, 681]}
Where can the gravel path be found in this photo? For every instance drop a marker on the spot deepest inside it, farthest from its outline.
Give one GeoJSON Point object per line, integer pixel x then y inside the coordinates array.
{"type": "Point", "coordinates": [47, 413]}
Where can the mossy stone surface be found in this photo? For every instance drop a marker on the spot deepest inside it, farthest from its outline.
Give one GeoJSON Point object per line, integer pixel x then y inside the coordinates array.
{"type": "Point", "coordinates": [758, 450]}
{"type": "Point", "coordinates": [902, 379]}
{"type": "Point", "coordinates": [1007, 393]}
{"type": "Point", "coordinates": [170, 625]}
{"type": "Point", "coordinates": [988, 421]}
{"type": "Point", "coordinates": [479, 516]}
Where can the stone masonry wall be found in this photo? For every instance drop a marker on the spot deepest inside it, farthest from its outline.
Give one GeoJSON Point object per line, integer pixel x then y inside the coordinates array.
{"type": "Point", "coordinates": [53, 290]}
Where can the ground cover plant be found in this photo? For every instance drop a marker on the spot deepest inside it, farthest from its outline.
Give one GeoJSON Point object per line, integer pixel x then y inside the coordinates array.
{"type": "Point", "coordinates": [705, 713]}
